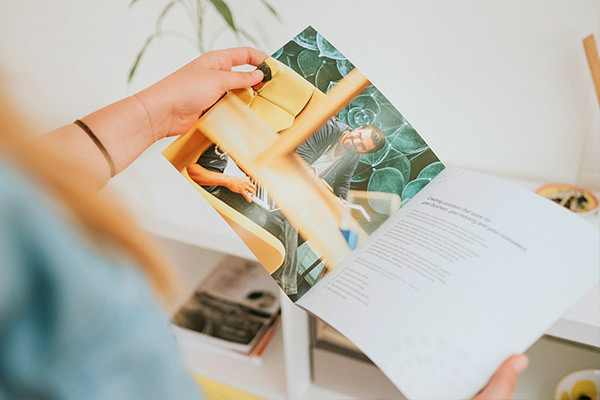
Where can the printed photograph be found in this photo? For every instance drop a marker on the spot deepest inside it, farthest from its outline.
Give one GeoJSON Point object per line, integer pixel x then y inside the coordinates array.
{"type": "Point", "coordinates": [364, 159]}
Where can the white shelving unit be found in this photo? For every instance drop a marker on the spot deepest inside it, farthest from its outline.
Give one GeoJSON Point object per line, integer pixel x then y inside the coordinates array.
{"type": "Point", "coordinates": [196, 238]}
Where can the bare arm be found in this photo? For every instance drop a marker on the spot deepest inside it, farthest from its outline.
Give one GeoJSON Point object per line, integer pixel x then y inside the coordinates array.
{"type": "Point", "coordinates": [237, 184]}
{"type": "Point", "coordinates": [169, 107]}
{"type": "Point", "coordinates": [122, 127]}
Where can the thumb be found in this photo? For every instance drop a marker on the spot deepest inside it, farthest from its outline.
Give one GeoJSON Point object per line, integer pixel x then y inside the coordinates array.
{"type": "Point", "coordinates": [503, 382]}
{"type": "Point", "coordinates": [240, 80]}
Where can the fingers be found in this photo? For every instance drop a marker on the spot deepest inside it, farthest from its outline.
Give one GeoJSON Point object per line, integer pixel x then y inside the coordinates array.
{"type": "Point", "coordinates": [247, 196]}
{"type": "Point", "coordinates": [244, 187]}
{"type": "Point", "coordinates": [249, 192]}
{"type": "Point", "coordinates": [250, 188]}
{"type": "Point", "coordinates": [225, 59]}
{"type": "Point", "coordinates": [243, 55]}
{"type": "Point", "coordinates": [503, 382]}
{"type": "Point", "coordinates": [239, 80]}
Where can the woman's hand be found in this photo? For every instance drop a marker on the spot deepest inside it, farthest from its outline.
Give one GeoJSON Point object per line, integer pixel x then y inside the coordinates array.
{"type": "Point", "coordinates": [177, 101]}
{"type": "Point", "coordinates": [169, 107]}
{"type": "Point", "coordinates": [502, 384]}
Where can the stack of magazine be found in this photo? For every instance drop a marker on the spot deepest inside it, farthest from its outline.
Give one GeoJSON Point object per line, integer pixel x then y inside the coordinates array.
{"type": "Point", "coordinates": [235, 309]}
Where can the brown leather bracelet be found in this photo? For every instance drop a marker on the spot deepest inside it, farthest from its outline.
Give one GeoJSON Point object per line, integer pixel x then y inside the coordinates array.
{"type": "Point", "coordinates": [99, 144]}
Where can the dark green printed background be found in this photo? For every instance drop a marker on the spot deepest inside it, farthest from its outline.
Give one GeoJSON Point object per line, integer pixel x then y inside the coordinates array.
{"type": "Point", "coordinates": [403, 167]}
{"type": "Point", "coordinates": [406, 163]}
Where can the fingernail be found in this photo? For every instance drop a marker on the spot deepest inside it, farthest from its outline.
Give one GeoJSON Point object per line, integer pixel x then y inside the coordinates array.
{"type": "Point", "coordinates": [520, 363]}
{"type": "Point", "coordinates": [257, 73]}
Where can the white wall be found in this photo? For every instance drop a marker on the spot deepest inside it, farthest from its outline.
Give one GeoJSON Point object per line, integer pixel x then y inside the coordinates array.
{"type": "Point", "coordinates": [498, 86]}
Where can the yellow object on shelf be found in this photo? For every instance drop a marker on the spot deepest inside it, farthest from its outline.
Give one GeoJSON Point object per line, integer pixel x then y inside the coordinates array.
{"type": "Point", "coordinates": [578, 385]}
{"type": "Point", "coordinates": [574, 198]}
{"type": "Point", "coordinates": [214, 390]}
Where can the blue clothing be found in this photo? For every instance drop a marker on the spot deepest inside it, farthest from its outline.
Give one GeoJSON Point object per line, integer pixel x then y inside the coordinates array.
{"type": "Point", "coordinates": [75, 323]}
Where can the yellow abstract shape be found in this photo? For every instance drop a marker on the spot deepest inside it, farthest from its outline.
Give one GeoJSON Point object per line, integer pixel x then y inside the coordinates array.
{"type": "Point", "coordinates": [277, 118]}
{"type": "Point", "coordinates": [245, 95]}
{"type": "Point", "coordinates": [214, 390]}
{"type": "Point", "coordinates": [565, 396]}
{"type": "Point", "coordinates": [269, 157]}
{"type": "Point", "coordinates": [287, 89]}
{"type": "Point", "coordinates": [584, 387]}
{"type": "Point", "coordinates": [279, 100]}
{"type": "Point", "coordinates": [267, 248]}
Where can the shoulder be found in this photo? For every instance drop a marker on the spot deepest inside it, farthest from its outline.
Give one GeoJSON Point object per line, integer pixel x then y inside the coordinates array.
{"type": "Point", "coordinates": [331, 130]}
{"type": "Point", "coordinates": [339, 125]}
{"type": "Point", "coordinates": [210, 152]}
{"type": "Point", "coordinates": [335, 125]}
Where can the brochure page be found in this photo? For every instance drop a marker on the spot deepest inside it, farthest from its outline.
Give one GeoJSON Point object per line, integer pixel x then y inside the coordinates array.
{"type": "Point", "coordinates": [469, 272]}
{"type": "Point", "coordinates": [359, 161]}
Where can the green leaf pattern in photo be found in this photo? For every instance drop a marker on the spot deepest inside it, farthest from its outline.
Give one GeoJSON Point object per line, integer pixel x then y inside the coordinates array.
{"type": "Point", "coordinates": [405, 164]}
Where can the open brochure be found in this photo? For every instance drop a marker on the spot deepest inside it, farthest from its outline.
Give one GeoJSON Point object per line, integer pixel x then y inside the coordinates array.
{"type": "Point", "coordinates": [437, 274]}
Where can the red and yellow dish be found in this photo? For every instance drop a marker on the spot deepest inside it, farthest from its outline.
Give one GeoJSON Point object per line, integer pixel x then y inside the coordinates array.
{"type": "Point", "coordinates": [574, 198]}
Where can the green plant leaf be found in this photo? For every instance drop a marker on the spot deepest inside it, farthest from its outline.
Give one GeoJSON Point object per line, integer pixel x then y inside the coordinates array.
{"type": "Point", "coordinates": [395, 159]}
{"type": "Point", "coordinates": [344, 66]}
{"type": "Point", "coordinates": [307, 38]}
{"type": "Point", "coordinates": [225, 12]}
{"type": "Point", "coordinates": [431, 171]}
{"type": "Point", "coordinates": [362, 172]}
{"type": "Point", "coordinates": [373, 159]}
{"type": "Point", "coordinates": [248, 36]}
{"type": "Point", "coordinates": [163, 14]}
{"type": "Point", "coordinates": [386, 180]}
{"type": "Point", "coordinates": [412, 188]}
{"type": "Point", "coordinates": [132, 2]}
{"type": "Point", "coordinates": [362, 110]}
{"type": "Point", "coordinates": [388, 116]}
{"type": "Point", "coordinates": [407, 140]}
{"type": "Point", "coordinates": [327, 72]}
{"type": "Point", "coordinates": [329, 87]}
{"type": "Point", "coordinates": [278, 53]}
{"type": "Point", "coordinates": [308, 62]}
{"type": "Point", "coordinates": [138, 58]}
{"type": "Point", "coordinates": [326, 49]}
{"type": "Point", "coordinates": [271, 9]}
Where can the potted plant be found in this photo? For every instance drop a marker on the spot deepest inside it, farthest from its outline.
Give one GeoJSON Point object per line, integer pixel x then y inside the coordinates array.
{"type": "Point", "coordinates": [196, 10]}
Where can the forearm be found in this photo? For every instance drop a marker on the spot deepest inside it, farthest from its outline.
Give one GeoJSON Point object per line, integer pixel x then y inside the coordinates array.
{"type": "Point", "coordinates": [169, 107]}
{"type": "Point", "coordinates": [205, 177]}
{"type": "Point", "coordinates": [123, 128]}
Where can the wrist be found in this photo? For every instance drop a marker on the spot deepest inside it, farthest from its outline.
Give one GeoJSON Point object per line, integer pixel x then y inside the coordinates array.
{"type": "Point", "coordinates": [124, 130]}
{"type": "Point", "coordinates": [157, 115]}
{"type": "Point", "coordinates": [228, 183]}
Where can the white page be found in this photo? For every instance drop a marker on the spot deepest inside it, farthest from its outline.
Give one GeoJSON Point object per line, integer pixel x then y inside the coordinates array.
{"type": "Point", "coordinates": [438, 320]}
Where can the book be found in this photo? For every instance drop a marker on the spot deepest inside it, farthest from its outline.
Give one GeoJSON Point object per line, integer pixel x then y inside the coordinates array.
{"type": "Point", "coordinates": [440, 275]}
{"type": "Point", "coordinates": [235, 308]}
